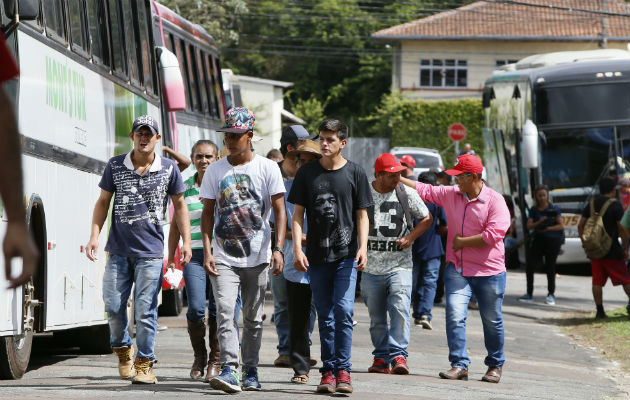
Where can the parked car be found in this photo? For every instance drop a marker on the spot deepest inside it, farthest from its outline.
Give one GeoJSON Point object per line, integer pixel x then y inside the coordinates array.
{"type": "Point", "coordinates": [425, 158]}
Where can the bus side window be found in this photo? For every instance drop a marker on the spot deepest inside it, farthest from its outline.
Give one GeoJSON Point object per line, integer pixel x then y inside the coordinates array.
{"type": "Point", "coordinates": [145, 47]}
{"type": "Point", "coordinates": [192, 76]}
{"type": "Point", "coordinates": [78, 26]}
{"type": "Point", "coordinates": [218, 89]}
{"type": "Point", "coordinates": [98, 37]}
{"type": "Point", "coordinates": [130, 42]}
{"type": "Point", "coordinates": [211, 85]}
{"type": "Point", "coordinates": [203, 81]}
{"type": "Point", "coordinates": [118, 49]}
{"type": "Point", "coordinates": [53, 18]}
{"type": "Point", "coordinates": [179, 51]}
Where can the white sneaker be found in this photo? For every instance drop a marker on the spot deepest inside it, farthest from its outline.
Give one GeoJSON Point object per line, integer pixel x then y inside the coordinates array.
{"type": "Point", "coordinates": [551, 300]}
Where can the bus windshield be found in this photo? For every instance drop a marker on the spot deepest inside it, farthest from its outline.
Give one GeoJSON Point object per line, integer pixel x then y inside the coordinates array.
{"type": "Point", "coordinates": [576, 157]}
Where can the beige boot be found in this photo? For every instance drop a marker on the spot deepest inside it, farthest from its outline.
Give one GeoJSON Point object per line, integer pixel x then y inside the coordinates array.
{"type": "Point", "coordinates": [144, 371]}
{"type": "Point", "coordinates": [125, 361]}
{"type": "Point", "coordinates": [214, 358]}
{"type": "Point", "coordinates": [197, 333]}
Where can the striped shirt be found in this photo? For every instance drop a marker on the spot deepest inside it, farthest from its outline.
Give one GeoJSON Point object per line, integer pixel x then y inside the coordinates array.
{"type": "Point", "coordinates": [195, 207]}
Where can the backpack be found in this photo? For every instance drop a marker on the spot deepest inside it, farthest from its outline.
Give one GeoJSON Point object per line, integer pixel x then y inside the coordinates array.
{"type": "Point", "coordinates": [596, 242]}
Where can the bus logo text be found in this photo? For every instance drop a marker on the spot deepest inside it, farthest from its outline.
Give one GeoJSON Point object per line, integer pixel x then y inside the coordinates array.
{"type": "Point", "coordinates": [65, 89]}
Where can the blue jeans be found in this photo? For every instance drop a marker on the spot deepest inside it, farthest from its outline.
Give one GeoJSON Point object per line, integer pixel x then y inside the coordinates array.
{"type": "Point", "coordinates": [280, 311]}
{"type": "Point", "coordinates": [489, 291]}
{"type": "Point", "coordinates": [391, 294]}
{"type": "Point", "coordinates": [120, 274]}
{"type": "Point", "coordinates": [425, 276]}
{"type": "Point", "coordinates": [199, 288]}
{"type": "Point", "coordinates": [333, 287]}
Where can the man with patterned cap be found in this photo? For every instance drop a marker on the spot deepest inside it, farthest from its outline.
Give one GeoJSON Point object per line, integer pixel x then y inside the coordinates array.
{"type": "Point", "coordinates": [477, 218]}
{"type": "Point", "coordinates": [239, 192]}
{"type": "Point", "coordinates": [387, 277]}
{"type": "Point", "coordinates": [141, 180]}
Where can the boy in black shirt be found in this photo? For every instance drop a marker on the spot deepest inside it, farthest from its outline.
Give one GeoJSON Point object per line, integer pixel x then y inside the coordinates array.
{"type": "Point", "coordinates": [335, 194]}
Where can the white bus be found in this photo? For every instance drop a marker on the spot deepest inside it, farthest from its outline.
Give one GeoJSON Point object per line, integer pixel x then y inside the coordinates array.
{"type": "Point", "coordinates": [560, 119]}
{"type": "Point", "coordinates": [87, 69]}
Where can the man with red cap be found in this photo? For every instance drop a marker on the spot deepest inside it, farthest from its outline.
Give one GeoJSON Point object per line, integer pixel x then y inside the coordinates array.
{"type": "Point", "coordinates": [408, 162]}
{"type": "Point", "coordinates": [477, 221]}
{"type": "Point", "coordinates": [387, 277]}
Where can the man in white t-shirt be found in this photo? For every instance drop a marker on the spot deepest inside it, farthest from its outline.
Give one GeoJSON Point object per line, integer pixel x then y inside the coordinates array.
{"type": "Point", "coordinates": [387, 277]}
{"type": "Point", "coordinates": [239, 192]}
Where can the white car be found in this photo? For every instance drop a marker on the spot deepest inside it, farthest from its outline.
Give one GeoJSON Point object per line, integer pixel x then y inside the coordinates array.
{"type": "Point", "coordinates": [425, 159]}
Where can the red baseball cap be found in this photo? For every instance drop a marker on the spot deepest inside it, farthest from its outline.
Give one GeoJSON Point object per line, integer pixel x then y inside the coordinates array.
{"type": "Point", "coordinates": [466, 163]}
{"type": "Point", "coordinates": [389, 163]}
{"type": "Point", "coordinates": [408, 160]}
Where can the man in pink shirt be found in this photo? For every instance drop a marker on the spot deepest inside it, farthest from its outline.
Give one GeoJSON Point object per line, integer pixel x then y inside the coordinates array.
{"type": "Point", "coordinates": [477, 221]}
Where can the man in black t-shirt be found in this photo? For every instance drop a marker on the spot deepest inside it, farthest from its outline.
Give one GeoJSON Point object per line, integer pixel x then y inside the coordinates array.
{"type": "Point", "coordinates": [335, 194]}
{"type": "Point", "coordinates": [613, 264]}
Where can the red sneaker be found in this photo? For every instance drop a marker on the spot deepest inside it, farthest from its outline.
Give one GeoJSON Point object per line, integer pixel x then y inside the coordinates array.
{"type": "Point", "coordinates": [344, 383]}
{"type": "Point", "coordinates": [379, 366]}
{"type": "Point", "coordinates": [399, 366]}
{"type": "Point", "coordinates": [328, 383]}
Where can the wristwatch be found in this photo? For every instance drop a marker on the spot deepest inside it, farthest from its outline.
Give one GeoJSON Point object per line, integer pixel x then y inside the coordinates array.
{"type": "Point", "coordinates": [280, 249]}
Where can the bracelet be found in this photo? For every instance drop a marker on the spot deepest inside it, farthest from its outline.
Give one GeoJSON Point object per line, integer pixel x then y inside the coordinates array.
{"type": "Point", "coordinates": [280, 249]}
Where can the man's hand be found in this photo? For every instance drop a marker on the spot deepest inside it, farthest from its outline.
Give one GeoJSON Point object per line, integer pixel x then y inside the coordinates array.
{"type": "Point", "coordinates": [186, 254]}
{"type": "Point", "coordinates": [361, 258]}
{"type": "Point", "coordinates": [91, 249]}
{"type": "Point", "coordinates": [404, 242]}
{"type": "Point", "coordinates": [277, 263]}
{"type": "Point", "coordinates": [457, 243]}
{"type": "Point", "coordinates": [210, 266]}
{"type": "Point", "coordinates": [300, 262]}
{"type": "Point", "coordinates": [19, 243]}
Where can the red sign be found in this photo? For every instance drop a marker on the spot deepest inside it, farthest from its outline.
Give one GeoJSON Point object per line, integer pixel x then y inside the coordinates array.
{"type": "Point", "coordinates": [457, 132]}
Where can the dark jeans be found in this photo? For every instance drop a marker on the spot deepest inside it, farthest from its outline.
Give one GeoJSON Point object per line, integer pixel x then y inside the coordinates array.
{"type": "Point", "coordinates": [549, 248]}
{"type": "Point", "coordinates": [301, 311]}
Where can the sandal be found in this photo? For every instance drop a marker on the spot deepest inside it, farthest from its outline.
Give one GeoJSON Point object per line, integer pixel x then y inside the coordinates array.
{"type": "Point", "coordinates": [297, 378]}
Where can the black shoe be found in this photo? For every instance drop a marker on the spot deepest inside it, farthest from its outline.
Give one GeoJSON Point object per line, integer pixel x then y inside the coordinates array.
{"type": "Point", "coordinates": [601, 315]}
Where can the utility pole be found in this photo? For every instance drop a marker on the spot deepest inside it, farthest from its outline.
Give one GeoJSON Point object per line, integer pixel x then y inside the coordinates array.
{"type": "Point", "coordinates": [603, 42]}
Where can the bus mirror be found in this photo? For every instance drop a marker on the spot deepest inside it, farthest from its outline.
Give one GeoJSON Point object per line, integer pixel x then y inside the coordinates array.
{"type": "Point", "coordinates": [530, 145]}
{"type": "Point", "coordinates": [172, 82]}
{"type": "Point", "coordinates": [27, 9]}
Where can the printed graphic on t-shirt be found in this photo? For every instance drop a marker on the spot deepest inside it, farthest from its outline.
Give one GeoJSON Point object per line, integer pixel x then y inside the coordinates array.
{"type": "Point", "coordinates": [140, 198]}
{"type": "Point", "coordinates": [335, 237]}
{"type": "Point", "coordinates": [240, 216]}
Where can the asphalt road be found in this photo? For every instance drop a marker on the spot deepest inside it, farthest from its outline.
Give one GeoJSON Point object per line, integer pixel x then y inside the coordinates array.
{"type": "Point", "coordinates": [541, 362]}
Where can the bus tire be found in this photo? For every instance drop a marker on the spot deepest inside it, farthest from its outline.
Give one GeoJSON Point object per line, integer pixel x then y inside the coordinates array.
{"type": "Point", "coordinates": [172, 303]}
{"type": "Point", "coordinates": [95, 339]}
{"type": "Point", "coordinates": [15, 351]}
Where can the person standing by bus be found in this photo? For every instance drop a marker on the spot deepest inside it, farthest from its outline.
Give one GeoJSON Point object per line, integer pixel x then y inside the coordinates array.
{"type": "Point", "coordinates": [545, 219]}
{"type": "Point", "coordinates": [140, 182]}
{"type": "Point", "coordinates": [17, 240]}
{"type": "Point", "coordinates": [239, 192]}
{"type": "Point", "coordinates": [335, 194]}
{"type": "Point", "coordinates": [477, 219]}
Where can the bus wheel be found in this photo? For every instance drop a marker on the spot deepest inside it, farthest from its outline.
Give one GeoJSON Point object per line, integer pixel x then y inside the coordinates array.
{"type": "Point", "coordinates": [15, 351]}
{"type": "Point", "coordinates": [172, 303]}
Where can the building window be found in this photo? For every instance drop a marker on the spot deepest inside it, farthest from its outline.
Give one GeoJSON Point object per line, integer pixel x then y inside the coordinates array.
{"type": "Point", "coordinates": [499, 63]}
{"type": "Point", "coordinates": [443, 73]}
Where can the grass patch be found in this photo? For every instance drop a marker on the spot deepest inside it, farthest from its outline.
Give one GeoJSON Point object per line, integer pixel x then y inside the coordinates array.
{"type": "Point", "coordinates": [611, 336]}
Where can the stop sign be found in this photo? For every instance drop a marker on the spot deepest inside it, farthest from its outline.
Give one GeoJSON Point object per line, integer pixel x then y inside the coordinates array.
{"type": "Point", "coordinates": [457, 132]}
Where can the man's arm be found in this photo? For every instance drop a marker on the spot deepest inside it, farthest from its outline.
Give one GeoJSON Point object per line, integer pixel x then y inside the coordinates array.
{"type": "Point", "coordinates": [98, 219]}
{"type": "Point", "coordinates": [183, 225]}
{"type": "Point", "coordinates": [363, 229]}
{"type": "Point", "coordinates": [468, 241]}
{"type": "Point", "coordinates": [280, 220]}
{"type": "Point", "coordinates": [623, 234]}
{"type": "Point", "coordinates": [17, 240]}
{"type": "Point", "coordinates": [419, 229]}
{"type": "Point", "coordinates": [173, 241]}
{"type": "Point", "coordinates": [207, 224]}
{"type": "Point", "coordinates": [182, 161]}
{"type": "Point", "coordinates": [300, 262]}
{"type": "Point", "coordinates": [581, 226]}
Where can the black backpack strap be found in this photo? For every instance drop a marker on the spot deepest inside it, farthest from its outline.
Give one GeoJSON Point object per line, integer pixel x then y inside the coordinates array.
{"type": "Point", "coordinates": [404, 202]}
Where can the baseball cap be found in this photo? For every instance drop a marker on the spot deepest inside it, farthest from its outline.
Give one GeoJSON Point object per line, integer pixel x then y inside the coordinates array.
{"type": "Point", "coordinates": [307, 146]}
{"type": "Point", "coordinates": [238, 120]}
{"type": "Point", "coordinates": [389, 163]}
{"type": "Point", "coordinates": [623, 182]}
{"type": "Point", "coordinates": [466, 163]}
{"type": "Point", "coordinates": [145, 120]}
{"type": "Point", "coordinates": [293, 133]}
{"type": "Point", "coordinates": [408, 161]}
